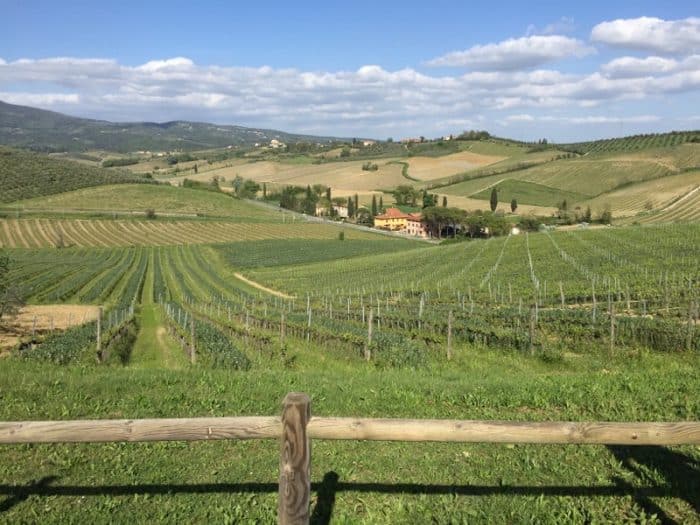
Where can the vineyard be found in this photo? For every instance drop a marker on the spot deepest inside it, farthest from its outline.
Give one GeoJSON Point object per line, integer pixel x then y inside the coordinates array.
{"type": "Point", "coordinates": [635, 142]}
{"type": "Point", "coordinates": [49, 233]}
{"type": "Point", "coordinates": [541, 327]}
{"type": "Point", "coordinates": [162, 199]}
{"type": "Point", "coordinates": [26, 175]}
{"type": "Point", "coordinates": [550, 292]}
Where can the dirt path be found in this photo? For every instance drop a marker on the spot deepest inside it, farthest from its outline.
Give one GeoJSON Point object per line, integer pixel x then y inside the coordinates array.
{"type": "Point", "coordinates": [263, 288]}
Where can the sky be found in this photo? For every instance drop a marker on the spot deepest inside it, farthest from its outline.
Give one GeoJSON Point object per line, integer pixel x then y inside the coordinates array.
{"type": "Point", "coordinates": [525, 70]}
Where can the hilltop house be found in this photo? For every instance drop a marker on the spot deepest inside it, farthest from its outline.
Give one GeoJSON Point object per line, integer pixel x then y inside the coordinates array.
{"type": "Point", "coordinates": [395, 220]}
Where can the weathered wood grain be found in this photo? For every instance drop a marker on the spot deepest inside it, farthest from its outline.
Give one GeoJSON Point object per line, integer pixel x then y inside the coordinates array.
{"type": "Point", "coordinates": [604, 433]}
{"type": "Point", "coordinates": [295, 461]}
{"type": "Point", "coordinates": [95, 431]}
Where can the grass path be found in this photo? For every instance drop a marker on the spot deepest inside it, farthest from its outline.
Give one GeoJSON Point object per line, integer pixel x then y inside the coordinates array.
{"type": "Point", "coordinates": [154, 348]}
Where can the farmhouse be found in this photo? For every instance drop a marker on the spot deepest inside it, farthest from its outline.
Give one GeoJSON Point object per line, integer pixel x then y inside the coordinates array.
{"type": "Point", "coordinates": [392, 219]}
{"type": "Point", "coordinates": [395, 220]}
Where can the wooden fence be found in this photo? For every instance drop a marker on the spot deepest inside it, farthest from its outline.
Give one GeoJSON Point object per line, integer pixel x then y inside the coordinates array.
{"type": "Point", "coordinates": [296, 428]}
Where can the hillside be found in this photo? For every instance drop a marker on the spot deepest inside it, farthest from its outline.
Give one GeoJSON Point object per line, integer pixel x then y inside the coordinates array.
{"type": "Point", "coordinates": [42, 130]}
{"type": "Point", "coordinates": [25, 175]}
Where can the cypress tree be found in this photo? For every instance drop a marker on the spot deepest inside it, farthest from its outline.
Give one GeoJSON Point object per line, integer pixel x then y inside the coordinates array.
{"type": "Point", "coordinates": [494, 199]}
{"type": "Point", "coordinates": [374, 205]}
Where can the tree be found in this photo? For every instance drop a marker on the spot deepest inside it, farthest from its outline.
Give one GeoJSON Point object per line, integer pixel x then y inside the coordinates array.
{"type": "Point", "coordinates": [381, 204]}
{"type": "Point", "coordinates": [249, 189]}
{"type": "Point", "coordinates": [328, 193]}
{"type": "Point", "coordinates": [264, 191]}
{"type": "Point", "coordinates": [405, 194]}
{"type": "Point", "coordinates": [588, 215]}
{"type": "Point", "coordinates": [374, 205]}
{"type": "Point", "coordinates": [513, 205]}
{"type": "Point", "coordinates": [494, 199]}
{"type": "Point", "coordinates": [606, 215]}
{"type": "Point", "coordinates": [196, 170]}
{"type": "Point", "coordinates": [357, 203]}
{"type": "Point", "coordinates": [10, 296]}
{"type": "Point", "coordinates": [444, 201]}
{"type": "Point", "coordinates": [429, 199]}
{"type": "Point", "coordinates": [351, 207]}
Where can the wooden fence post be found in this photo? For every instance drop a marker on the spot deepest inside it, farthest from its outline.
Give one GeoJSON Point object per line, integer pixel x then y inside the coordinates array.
{"type": "Point", "coordinates": [193, 348]}
{"type": "Point", "coordinates": [99, 335]}
{"type": "Point", "coordinates": [295, 461]}
{"type": "Point", "coordinates": [449, 336]}
{"type": "Point", "coordinates": [368, 349]}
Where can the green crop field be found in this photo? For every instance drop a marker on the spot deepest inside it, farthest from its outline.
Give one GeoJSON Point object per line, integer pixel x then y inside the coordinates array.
{"type": "Point", "coordinates": [528, 193]}
{"type": "Point", "coordinates": [586, 324]}
{"type": "Point", "coordinates": [26, 175]}
{"type": "Point", "coordinates": [163, 199]}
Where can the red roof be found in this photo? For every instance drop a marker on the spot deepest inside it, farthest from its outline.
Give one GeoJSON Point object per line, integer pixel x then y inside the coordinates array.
{"type": "Point", "coordinates": [417, 217]}
{"type": "Point", "coordinates": [393, 213]}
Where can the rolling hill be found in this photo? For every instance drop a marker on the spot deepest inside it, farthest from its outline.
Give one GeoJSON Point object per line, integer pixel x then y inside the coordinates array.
{"type": "Point", "coordinates": [42, 130]}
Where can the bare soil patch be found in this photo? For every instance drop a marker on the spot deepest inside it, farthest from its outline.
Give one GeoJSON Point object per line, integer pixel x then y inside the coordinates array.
{"type": "Point", "coordinates": [48, 317]}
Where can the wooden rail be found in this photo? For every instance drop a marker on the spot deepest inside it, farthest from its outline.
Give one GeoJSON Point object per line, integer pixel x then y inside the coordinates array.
{"type": "Point", "coordinates": [296, 428]}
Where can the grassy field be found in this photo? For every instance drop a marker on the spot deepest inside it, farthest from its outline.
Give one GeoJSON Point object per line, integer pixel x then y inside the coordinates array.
{"type": "Point", "coordinates": [358, 482]}
{"type": "Point", "coordinates": [162, 198]}
{"type": "Point", "coordinates": [528, 193]}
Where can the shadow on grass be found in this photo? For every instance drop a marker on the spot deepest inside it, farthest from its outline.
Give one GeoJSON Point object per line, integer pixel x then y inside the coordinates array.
{"type": "Point", "coordinates": [681, 474]}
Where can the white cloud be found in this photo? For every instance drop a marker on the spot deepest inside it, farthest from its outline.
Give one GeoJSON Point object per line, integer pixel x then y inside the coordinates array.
{"type": "Point", "coordinates": [362, 102]}
{"type": "Point", "coordinates": [630, 67]}
{"type": "Point", "coordinates": [40, 99]}
{"type": "Point", "coordinates": [522, 117]}
{"type": "Point", "coordinates": [651, 34]}
{"type": "Point", "coordinates": [564, 25]}
{"type": "Point", "coordinates": [515, 53]}
{"type": "Point", "coordinates": [635, 67]}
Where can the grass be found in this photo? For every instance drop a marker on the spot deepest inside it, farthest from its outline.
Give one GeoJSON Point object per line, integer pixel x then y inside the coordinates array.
{"type": "Point", "coordinates": [358, 482]}
{"type": "Point", "coordinates": [528, 193]}
{"type": "Point", "coordinates": [271, 253]}
{"type": "Point", "coordinates": [154, 348]}
{"type": "Point", "coordinates": [139, 198]}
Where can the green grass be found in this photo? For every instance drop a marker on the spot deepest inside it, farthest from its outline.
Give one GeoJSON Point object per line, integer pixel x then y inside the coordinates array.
{"type": "Point", "coordinates": [271, 253]}
{"type": "Point", "coordinates": [529, 193]}
{"type": "Point", "coordinates": [139, 198]}
{"type": "Point", "coordinates": [25, 175]}
{"type": "Point", "coordinates": [378, 482]}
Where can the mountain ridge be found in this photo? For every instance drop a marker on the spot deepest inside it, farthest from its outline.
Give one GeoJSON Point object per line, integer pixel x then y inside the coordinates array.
{"type": "Point", "coordinates": [49, 131]}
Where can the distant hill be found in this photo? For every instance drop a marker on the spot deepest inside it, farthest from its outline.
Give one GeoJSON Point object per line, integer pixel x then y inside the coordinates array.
{"type": "Point", "coordinates": [25, 174]}
{"type": "Point", "coordinates": [41, 130]}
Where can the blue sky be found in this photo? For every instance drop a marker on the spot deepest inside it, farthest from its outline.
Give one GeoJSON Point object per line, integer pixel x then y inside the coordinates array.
{"type": "Point", "coordinates": [376, 69]}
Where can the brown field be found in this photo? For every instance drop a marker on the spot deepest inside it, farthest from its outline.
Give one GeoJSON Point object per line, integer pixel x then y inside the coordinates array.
{"type": "Point", "coordinates": [470, 204]}
{"type": "Point", "coordinates": [347, 176]}
{"type": "Point", "coordinates": [432, 168]}
{"type": "Point", "coordinates": [48, 317]}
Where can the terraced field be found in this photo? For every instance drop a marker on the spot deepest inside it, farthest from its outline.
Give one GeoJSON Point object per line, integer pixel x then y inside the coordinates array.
{"type": "Point", "coordinates": [44, 233]}
{"type": "Point", "coordinates": [685, 209]}
{"type": "Point", "coordinates": [164, 199]}
{"type": "Point", "coordinates": [648, 196]}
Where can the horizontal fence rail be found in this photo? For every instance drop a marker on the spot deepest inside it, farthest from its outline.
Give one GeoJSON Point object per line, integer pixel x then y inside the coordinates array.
{"type": "Point", "coordinates": [348, 428]}
{"type": "Point", "coordinates": [295, 429]}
